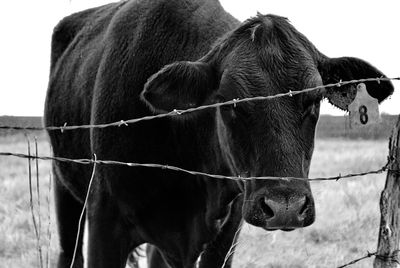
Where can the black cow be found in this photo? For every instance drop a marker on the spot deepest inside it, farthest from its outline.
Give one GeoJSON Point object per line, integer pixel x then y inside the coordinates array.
{"type": "Point", "coordinates": [142, 57]}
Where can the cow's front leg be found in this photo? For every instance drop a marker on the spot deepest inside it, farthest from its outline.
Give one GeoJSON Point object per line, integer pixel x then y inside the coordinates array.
{"type": "Point", "coordinates": [109, 240]}
{"type": "Point", "coordinates": [217, 253]}
{"type": "Point", "coordinates": [182, 251]}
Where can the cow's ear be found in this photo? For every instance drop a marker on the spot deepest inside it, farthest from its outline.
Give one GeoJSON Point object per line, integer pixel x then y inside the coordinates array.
{"type": "Point", "coordinates": [335, 70]}
{"type": "Point", "coordinates": [180, 85]}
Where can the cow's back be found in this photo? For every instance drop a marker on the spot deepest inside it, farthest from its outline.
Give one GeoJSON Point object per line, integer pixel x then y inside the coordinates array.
{"type": "Point", "coordinates": [101, 59]}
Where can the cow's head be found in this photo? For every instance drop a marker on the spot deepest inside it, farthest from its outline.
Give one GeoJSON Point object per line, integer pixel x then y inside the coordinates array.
{"type": "Point", "coordinates": [266, 55]}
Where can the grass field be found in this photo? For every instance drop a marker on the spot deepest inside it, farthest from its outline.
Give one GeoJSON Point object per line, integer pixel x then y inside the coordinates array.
{"type": "Point", "coordinates": [346, 226]}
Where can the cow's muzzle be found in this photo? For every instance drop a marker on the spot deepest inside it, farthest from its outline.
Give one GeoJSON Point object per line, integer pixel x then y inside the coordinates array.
{"type": "Point", "coordinates": [280, 207]}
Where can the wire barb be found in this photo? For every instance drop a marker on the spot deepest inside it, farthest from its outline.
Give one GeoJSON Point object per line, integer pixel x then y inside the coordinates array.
{"type": "Point", "coordinates": [122, 123]}
{"type": "Point", "coordinates": [177, 112]}
{"type": "Point", "coordinates": [235, 102]}
{"type": "Point", "coordinates": [63, 127]}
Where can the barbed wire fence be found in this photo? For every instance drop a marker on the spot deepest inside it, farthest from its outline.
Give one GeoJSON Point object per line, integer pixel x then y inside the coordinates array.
{"type": "Point", "coordinates": [196, 173]}
{"type": "Point", "coordinates": [177, 112]}
{"type": "Point", "coordinates": [125, 123]}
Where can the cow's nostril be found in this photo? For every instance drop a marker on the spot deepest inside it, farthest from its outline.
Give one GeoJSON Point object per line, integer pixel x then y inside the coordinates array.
{"type": "Point", "coordinates": [269, 213]}
{"type": "Point", "coordinates": [305, 207]}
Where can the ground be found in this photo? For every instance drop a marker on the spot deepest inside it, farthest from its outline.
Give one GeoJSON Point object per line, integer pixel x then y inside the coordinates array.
{"type": "Point", "coordinates": [346, 226]}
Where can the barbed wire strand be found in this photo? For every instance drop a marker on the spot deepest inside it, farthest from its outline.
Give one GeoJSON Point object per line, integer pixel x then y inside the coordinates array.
{"type": "Point", "coordinates": [177, 112]}
{"type": "Point", "coordinates": [32, 209]}
{"type": "Point", "coordinates": [83, 211]}
{"type": "Point", "coordinates": [369, 255]}
{"type": "Point", "coordinates": [178, 169]}
{"type": "Point", "coordinates": [38, 186]}
{"type": "Point", "coordinates": [392, 258]}
{"type": "Point", "coordinates": [232, 248]}
{"type": "Point", "coordinates": [48, 201]}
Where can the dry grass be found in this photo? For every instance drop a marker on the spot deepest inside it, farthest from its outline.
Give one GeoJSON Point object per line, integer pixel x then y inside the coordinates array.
{"type": "Point", "coordinates": [346, 226]}
{"type": "Point", "coordinates": [18, 247]}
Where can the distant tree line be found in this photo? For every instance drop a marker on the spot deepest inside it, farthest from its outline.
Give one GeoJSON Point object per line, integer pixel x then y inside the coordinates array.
{"type": "Point", "coordinates": [339, 127]}
{"type": "Point", "coordinates": [20, 121]}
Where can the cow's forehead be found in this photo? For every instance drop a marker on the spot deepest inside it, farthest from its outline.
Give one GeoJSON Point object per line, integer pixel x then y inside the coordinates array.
{"type": "Point", "coordinates": [300, 69]}
{"type": "Point", "coordinates": [265, 41]}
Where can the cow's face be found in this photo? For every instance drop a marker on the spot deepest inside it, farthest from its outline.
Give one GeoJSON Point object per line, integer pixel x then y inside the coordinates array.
{"type": "Point", "coordinates": [264, 56]}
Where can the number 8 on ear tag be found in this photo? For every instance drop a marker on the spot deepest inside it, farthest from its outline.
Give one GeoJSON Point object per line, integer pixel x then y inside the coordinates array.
{"type": "Point", "coordinates": [364, 110]}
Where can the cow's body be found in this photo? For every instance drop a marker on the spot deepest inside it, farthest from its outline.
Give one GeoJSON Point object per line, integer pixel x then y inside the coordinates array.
{"type": "Point", "coordinates": [85, 54]}
{"type": "Point", "coordinates": [101, 60]}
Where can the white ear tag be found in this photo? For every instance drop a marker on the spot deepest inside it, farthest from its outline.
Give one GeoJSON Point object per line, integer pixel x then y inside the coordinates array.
{"type": "Point", "coordinates": [364, 110]}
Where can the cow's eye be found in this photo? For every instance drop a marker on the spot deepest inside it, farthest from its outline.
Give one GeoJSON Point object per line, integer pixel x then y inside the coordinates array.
{"type": "Point", "coordinates": [311, 110]}
{"type": "Point", "coordinates": [219, 98]}
{"type": "Point", "coordinates": [227, 111]}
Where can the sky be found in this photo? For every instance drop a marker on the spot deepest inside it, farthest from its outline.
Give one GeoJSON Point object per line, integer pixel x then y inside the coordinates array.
{"type": "Point", "coordinates": [366, 29]}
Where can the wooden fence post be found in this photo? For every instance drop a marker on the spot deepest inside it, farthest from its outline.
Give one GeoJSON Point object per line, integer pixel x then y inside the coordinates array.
{"type": "Point", "coordinates": [389, 230]}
